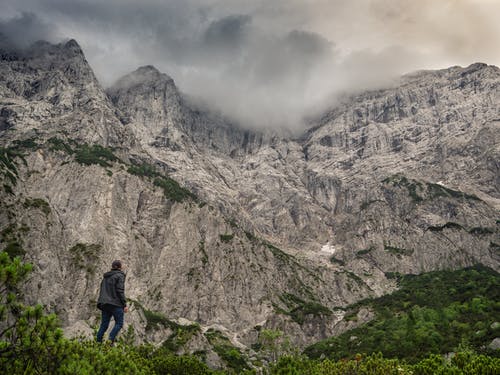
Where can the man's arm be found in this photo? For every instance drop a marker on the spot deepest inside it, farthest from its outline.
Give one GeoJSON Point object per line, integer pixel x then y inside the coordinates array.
{"type": "Point", "coordinates": [120, 289]}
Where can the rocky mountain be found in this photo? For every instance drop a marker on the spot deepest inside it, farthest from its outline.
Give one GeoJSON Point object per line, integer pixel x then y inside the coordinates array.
{"type": "Point", "coordinates": [229, 229]}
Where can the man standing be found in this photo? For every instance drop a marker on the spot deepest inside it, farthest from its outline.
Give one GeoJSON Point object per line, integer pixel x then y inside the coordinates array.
{"type": "Point", "coordinates": [112, 301]}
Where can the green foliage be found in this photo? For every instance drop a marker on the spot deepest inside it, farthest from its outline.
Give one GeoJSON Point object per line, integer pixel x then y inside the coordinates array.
{"type": "Point", "coordinates": [376, 364]}
{"type": "Point", "coordinates": [451, 225]}
{"type": "Point", "coordinates": [85, 256]}
{"type": "Point", "coordinates": [298, 309]}
{"type": "Point", "coordinates": [231, 355]}
{"type": "Point", "coordinates": [351, 316]}
{"type": "Point", "coordinates": [180, 336]}
{"type": "Point", "coordinates": [430, 313]}
{"type": "Point", "coordinates": [355, 277]}
{"type": "Point", "coordinates": [8, 163]}
{"type": "Point", "coordinates": [8, 167]}
{"type": "Point", "coordinates": [12, 236]}
{"type": "Point", "coordinates": [167, 363]}
{"type": "Point", "coordinates": [29, 143]}
{"type": "Point", "coordinates": [481, 230]}
{"type": "Point", "coordinates": [153, 319]}
{"type": "Point", "coordinates": [37, 203]}
{"type": "Point", "coordinates": [232, 222]}
{"type": "Point", "coordinates": [173, 190]}
{"type": "Point", "coordinates": [57, 144]}
{"type": "Point", "coordinates": [14, 249]}
{"type": "Point", "coordinates": [204, 255]}
{"type": "Point", "coordinates": [494, 246]}
{"type": "Point", "coordinates": [143, 170]}
{"type": "Point", "coordinates": [360, 253]}
{"type": "Point", "coordinates": [279, 254]}
{"type": "Point", "coordinates": [226, 238]}
{"type": "Point", "coordinates": [338, 261]}
{"type": "Point", "coordinates": [398, 251]}
{"type": "Point", "coordinates": [250, 236]}
{"type": "Point", "coordinates": [448, 225]}
{"type": "Point", "coordinates": [32, 343]}
{"type": "Point", "coordinates": [419, 191]}
{"type": "Point", "coordinates": [413, 187]}
{"type": "Point", "coordinates": [94, 154]}
{"type": "Point", "coordinates": [436, 190]}
{"type": "Point", "coordinates": [28, 338]}
{"type": "Point", "coordinates": [273, 344]}
{"type": "Point", "coordinates": [367, 204]}
{"type": "Point", "coordinates": [393, 275]}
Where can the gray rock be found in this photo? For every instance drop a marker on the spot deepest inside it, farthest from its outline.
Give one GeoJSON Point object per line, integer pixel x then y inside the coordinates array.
{"type": "Point", "coordinates": [495, 344]}
{"type": "Point", "coordinates": [397, 180]}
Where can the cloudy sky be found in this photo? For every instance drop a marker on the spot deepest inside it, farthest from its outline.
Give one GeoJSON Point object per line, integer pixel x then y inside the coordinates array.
{"type": "Point", "coordinates": [265, 62]}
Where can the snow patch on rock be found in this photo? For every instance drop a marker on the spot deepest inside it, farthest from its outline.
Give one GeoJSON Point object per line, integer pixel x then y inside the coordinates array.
{"type": "Point", "coordinates": [329, 249]}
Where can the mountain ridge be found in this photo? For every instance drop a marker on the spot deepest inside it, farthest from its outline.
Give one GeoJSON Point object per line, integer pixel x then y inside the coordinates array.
{"type": "Point", "coordinates": [380, 185]}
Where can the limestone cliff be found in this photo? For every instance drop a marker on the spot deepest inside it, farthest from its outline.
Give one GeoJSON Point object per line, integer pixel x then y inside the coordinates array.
{"type": "Point", "coordinates": [262, 229]}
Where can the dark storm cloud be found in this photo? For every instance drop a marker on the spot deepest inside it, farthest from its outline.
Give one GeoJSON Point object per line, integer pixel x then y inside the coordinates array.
{"type": "Point", "coordinates": [261, 62]}
{"type": "Point", "coordinates": [227, 33]}
{"type": "Point", "coordinates": [26, 28]}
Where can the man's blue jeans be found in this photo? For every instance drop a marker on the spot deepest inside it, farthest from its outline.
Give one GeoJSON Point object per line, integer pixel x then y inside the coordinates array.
{"type": "Point", "coordinates": [109, 311]}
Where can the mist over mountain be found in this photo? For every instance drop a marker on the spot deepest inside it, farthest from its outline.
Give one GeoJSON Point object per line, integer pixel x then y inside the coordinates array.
{"type": "Point", "coordinates": [265, 65]}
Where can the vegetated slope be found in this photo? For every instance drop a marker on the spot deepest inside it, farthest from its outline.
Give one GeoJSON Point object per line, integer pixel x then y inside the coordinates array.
{"type": "Point", "coordinates": [32, 343]}
{"type": "Point", "coordinates": [435, 312]}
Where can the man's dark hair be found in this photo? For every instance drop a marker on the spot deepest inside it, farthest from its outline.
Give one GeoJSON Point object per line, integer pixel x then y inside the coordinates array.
{"type": "Point", "coordinates": [116, 265]}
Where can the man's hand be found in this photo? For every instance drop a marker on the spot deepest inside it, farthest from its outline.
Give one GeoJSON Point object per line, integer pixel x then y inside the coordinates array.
{"type": "Point", "coordinates": [125, 309]}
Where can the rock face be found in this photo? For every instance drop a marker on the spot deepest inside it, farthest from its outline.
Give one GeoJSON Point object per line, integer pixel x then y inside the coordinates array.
{"type": "Point", "coordinates": [283, 231]}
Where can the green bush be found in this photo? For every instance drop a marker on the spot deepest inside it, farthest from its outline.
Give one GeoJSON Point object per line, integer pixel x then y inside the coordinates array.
{"type": "Point", "coordinates": [31, 341]}
{"type": "Point", "coordinates": [180, 336]}
{"type": "Point", "coordinates": [231, 355]}
{"type": "Point", "coordinates": [448, 225]}
{"type": "Point", "coordinates": [360, 253]}
{"type": "Point", "coordinates": [430, 313]}
{"type": "Point", "coordinates": [38, 203]}
{"type": "Point", "coordinates": [226, 238]}
{"type": "Point", "coordinates": [144, 170]}
{"type": "Point", "coordinates": [338, 261]}
{"type": "Point", "coordinates": [12, 237]}
{"type": "Point", "coordinates": [172, 190]}
{"type": "Point", "coordinates": [179, 365]}
{"type": "Point", "coordinates": [8, 167]}
{"type": "Point", "coordinates": [94, 154]}
{"type": "Point", "coordinates": [397, 251]}
{"type": "Point", "coordinates": [418, 191]}
{"type": "Point", "coordinates": [84, 256]}
{"type": "Point", "coordinates": [298, 309]}
{"type": "Point", "coordinates": [481, 230]}
{"type": "Point", "coordinates": [377, 364]}
{"type": "Point", "coordinates": [57, 144]}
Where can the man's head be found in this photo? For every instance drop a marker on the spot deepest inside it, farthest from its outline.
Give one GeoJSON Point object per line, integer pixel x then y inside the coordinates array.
{"type": "Point", "coordinates": [116, 265]}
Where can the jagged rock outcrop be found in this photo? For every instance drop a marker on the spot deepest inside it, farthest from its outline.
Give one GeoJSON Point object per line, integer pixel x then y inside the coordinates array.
{"type": "Point", "coordinates": [52, 88]}
{"type": "Point", "coordinates": [284, 230]}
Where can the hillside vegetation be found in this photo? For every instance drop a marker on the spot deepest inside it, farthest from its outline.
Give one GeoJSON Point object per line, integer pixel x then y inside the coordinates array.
{"type": "Point", "coordinates": [32, 343]}
{"type": "Point", "coordinates": [432, 313]}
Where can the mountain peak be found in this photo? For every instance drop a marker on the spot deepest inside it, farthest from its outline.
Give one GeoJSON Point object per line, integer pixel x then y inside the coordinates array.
{"type": "Point", "coordinates": [73, 46]}
{"type": "Point", "coordinates": [148, 69]}
{"type": "Point", "coordinates": [146, 75]}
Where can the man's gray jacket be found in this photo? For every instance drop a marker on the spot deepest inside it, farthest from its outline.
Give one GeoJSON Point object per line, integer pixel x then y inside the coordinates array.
{"type": "Point", "coordinates": [112, 290]}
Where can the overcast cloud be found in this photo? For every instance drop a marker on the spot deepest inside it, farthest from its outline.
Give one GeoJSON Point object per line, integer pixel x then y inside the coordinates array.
{"type": "Point", "coordinates": [265, 62]}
